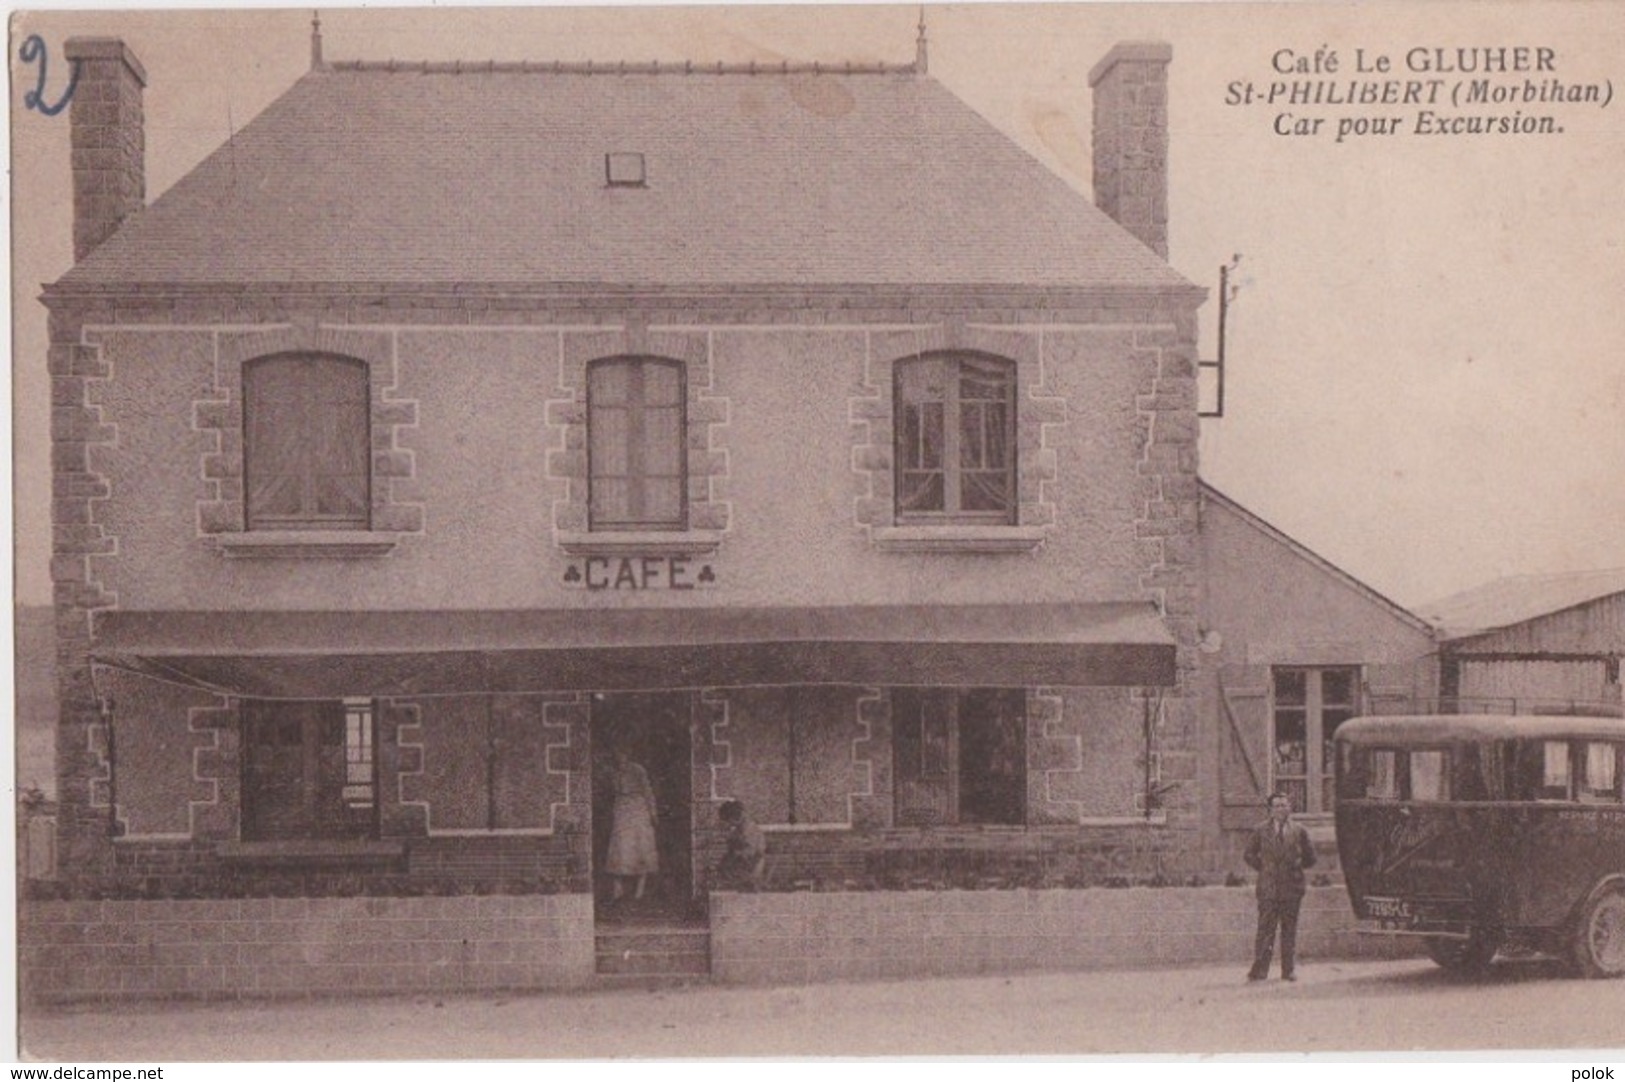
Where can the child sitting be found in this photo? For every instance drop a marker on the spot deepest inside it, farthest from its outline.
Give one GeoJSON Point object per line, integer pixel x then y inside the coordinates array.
{"type": "Point", "coordinates": [746, 854]}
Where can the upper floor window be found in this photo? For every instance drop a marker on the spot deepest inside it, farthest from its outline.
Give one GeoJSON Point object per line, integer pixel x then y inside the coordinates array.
{"type": "Point", "coordinates": [637, 462]}
{"type": "Point", "coordinates": [956, 439]}
{"type": "Point", "coordinates": [306, 446]}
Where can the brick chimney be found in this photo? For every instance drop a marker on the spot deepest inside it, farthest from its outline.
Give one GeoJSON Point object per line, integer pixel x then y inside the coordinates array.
{"type": "Point", "coordinates": [1131, 139]}
{"type": "Point", "coordinates": [108, 139]}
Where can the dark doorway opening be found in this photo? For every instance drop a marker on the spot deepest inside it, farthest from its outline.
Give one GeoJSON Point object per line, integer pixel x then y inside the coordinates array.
{"type": "Point", "coordinates": [308, 771]}
{"type": "Point", "coordinates": [653, 729]}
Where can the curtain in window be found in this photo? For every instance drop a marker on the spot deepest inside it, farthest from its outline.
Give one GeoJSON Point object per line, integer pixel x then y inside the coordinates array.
{"type": "Point", "coordinates": [922, 392]}
{"type": "Point", "coordinates": [956, 437]}
{"type": "Point", "coordinates": [1601, 778]}
{"type": "Point", "coordinates": [986, 389]}
{"type": "Point", "coordinates": [306, 443]}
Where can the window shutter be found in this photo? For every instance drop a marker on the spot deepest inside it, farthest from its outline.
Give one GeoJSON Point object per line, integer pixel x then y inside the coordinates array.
{"type": "Point", "coordinates": [1244, 758]}
{"type": "Point", "coordinates": [307, 452]}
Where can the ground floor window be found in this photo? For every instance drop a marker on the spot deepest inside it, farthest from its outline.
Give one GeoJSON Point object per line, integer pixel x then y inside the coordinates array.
{"type": "Point", "coordinates": [309, 770]}
{"type": "Point", "coordinates": [1308, 704]}
{"type": "Point", "coordinates": [959, 756]}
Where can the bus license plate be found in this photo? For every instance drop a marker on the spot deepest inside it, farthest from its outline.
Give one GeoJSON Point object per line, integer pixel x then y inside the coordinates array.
{"type": "Point", "coordinates": [1388, 909]}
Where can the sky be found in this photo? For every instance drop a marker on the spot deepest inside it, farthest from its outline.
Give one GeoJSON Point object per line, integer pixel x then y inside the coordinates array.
{"type": "Point", "coordinates": [1426, 352]}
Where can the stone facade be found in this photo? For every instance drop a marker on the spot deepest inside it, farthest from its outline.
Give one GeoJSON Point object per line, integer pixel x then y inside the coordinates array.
{"type": "Point", "coordinates": [1107, 512]}
{"type": "Point", "coordinates": [478, 455]}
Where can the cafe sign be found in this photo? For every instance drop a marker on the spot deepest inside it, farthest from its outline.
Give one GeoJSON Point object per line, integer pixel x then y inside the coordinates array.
{"type": "Point", "coordinates": [633, 573]}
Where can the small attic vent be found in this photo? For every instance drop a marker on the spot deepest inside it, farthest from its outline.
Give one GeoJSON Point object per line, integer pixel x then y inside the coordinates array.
{"type": "Point", "coordinates": [624, 170]}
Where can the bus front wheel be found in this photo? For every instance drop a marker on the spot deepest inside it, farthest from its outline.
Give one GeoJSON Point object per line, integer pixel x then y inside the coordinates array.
{"type": "Point", "coordinates": [1599, 938]}
{"type": "Point", "coordinates": [1471, 955]}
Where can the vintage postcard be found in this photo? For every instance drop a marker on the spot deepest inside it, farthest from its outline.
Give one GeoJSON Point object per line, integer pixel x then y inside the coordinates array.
{"type": "Point", "coordinates": [577, 533]}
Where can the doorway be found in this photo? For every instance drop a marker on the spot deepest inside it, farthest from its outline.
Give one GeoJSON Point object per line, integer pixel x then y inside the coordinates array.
{"type": "Point", "coordinates": [308, 770]}
{"type": "Point", "coordinates": [653, 728]}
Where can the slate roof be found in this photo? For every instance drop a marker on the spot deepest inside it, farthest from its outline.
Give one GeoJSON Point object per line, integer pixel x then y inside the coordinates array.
{"type": "Point", "coordinates": [427, 175]}
{"type": "Point", "coordinates": [1519, 598]}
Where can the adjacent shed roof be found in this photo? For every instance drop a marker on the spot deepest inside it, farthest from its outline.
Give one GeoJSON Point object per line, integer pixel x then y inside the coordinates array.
{"type": "Point", "coordinates": [372, 174]}
{"type": "Point", "coordinates": [1212, 495]}
{"type": "Point", "coordinates": [1519, 598]}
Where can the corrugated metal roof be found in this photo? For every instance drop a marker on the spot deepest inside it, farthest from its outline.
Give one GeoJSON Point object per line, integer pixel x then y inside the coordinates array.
{"type": "Point", "coordinates": [1518, 598]}
{"type": "Point", "coordinates": [430, 175]}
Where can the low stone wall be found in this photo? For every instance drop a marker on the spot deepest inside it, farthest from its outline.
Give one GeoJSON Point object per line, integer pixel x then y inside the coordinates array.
{"type": "Point", "coordinates": [800, 937]}
{"type": "Point", "coordinates": [302, 946]}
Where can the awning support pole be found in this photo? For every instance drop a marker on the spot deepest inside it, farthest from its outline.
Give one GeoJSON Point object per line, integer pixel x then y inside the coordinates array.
{"type": "Point", "coordinates": [112, 792]}
{"type": "Point", "coordinates": [793, 702]}
{"type": "Point", "coordinates": [490, 764]}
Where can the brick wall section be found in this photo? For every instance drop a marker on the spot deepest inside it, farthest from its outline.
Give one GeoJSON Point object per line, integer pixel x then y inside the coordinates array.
{"type": "Point", "coordinates": [795, 938]}
{"type": "Point", "coordinates": [1130, 139]}
{"type": "Point", "coordinates": [107, 137]}
{"type": "Point", "coordinates": [108, 950]}
{"type": "Point", "coordinates": [1101, 854]}
{"type": "Point", "coordinates": [559, 859]}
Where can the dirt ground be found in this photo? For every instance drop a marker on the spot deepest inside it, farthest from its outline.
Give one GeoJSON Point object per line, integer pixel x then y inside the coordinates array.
{"type": "Point", "coordinates": [1334, 1006]}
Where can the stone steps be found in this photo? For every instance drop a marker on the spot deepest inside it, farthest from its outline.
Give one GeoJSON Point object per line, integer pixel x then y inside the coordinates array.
{"type": "Point", "coordinates": [666, 952]}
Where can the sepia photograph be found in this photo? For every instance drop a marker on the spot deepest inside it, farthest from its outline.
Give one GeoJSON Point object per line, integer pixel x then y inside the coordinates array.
{"type": "Point", "coordinates": [618, 533]}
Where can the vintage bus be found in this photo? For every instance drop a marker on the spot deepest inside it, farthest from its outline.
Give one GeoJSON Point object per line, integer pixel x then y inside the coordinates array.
{"type": "Point", "coordinates": [1487, 832]}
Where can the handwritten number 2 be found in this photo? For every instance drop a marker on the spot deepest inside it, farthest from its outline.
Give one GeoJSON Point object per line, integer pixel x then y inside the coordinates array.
{"type": "Point", "coordinates": [34, 51]}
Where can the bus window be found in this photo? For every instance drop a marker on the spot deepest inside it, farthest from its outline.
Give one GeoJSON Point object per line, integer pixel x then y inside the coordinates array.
{"type": "Point", "coordinates": [1472, 768]}
{"type": "Point", "coordinates": [1544, 771]}
{"type": "Point", "coordinates": [1556, 774]}
{"type": "Point", "coordinates": [1429, 781]}
{"type": "Point", "coordinates": [1600, 784]}
{"type": "Point", "coordinates": [1383, 782]}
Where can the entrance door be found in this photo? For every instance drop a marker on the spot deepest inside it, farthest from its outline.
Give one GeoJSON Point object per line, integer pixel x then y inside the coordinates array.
{"type": "Point", "coordinates": [653, 728]}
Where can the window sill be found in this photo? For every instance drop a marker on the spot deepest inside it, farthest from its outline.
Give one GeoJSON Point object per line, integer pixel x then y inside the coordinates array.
{"type": "Point", "coordinates": [305, 544]}
{"type": "Point", "coordinates": [635, 543]}
{"type": "Point", "coordinates": [338, 851]}
{"type": "Point", "coordinates": [973, 539]}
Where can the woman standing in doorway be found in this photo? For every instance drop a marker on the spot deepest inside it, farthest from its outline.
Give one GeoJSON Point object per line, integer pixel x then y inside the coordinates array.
{"type": "Point", "coordinates": [632, 853]}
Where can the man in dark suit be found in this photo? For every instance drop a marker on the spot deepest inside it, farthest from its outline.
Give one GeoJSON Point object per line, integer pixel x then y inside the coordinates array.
{"type": "Point", "coordinates": [1278, 850]}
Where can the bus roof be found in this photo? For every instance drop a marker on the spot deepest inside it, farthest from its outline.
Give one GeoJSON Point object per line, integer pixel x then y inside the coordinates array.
{"type": "Point", "coordinates": [1422, 728]}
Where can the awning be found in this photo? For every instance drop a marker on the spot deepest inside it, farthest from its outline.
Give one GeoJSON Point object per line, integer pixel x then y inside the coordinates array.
{"type": "Point", "coordinates": [303, 655]}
